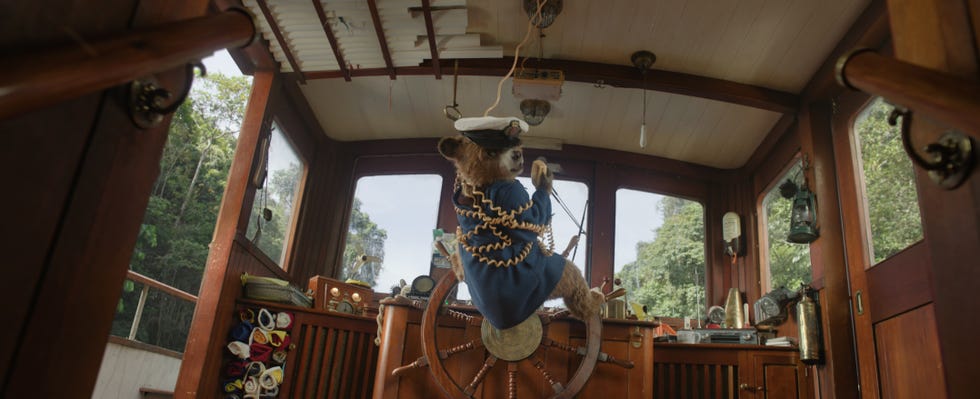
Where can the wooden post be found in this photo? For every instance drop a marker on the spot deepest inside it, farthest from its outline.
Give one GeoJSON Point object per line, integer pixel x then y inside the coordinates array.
{"type": "Point", "coordinates": [203, 336]}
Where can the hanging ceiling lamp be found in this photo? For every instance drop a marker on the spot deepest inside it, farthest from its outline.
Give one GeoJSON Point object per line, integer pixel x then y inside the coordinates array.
{"type": "Point", "coordinates": [534, 110]}
{"type": "Point", "coordinates": [643, 60]}
{"type": "Point", "coordinates": [549, 11]}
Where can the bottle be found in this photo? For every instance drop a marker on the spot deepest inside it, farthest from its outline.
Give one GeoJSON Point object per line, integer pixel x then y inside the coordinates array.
{"type": "Point", "coordinates": [809, 327]}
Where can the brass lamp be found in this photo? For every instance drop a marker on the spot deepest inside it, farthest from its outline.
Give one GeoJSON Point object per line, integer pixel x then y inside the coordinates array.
{"type": "Point", "coordinates": [803, 219]}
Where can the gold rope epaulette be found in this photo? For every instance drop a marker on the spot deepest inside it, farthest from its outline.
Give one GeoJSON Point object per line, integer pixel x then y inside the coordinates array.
{"type": "Point", "coordinates": [506, 219]}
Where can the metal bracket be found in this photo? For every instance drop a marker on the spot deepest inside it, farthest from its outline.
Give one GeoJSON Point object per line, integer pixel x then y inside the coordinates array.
{"type": "Point", "coordinates": [949, 160]}
{"type": "Point", "coordinates": [146, 102]}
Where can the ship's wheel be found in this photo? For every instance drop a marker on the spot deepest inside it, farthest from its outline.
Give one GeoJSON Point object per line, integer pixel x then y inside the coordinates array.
{"type": "Point", "coordinates": [512, 346]}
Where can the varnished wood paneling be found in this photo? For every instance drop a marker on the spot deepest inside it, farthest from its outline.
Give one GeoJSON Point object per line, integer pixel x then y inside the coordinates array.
{"type": "Point", "coordinates": [909, 362]}
{"type": "Point", "coordinates": [939, 35]}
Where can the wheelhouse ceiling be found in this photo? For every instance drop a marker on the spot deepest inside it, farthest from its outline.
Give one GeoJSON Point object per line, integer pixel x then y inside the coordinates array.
{"type": "Point", "coordinates": [726, 71]}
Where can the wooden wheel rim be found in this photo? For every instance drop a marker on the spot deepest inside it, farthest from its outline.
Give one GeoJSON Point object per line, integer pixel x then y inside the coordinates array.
{"type": "Point", "coordinates": [593, 334]}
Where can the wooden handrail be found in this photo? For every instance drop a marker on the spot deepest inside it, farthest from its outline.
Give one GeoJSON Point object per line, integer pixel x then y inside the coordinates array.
{"type": "Point", "coordinates": [33, 81]}
{"type": "Point", "coordinates": [940, 96]}
{"type": "Point", "coordinates": [139, 278]}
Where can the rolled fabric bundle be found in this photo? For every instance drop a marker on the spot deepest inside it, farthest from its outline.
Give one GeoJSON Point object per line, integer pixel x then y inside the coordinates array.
{"type": "Point", "coordinates": [233, 386]}
{"type": "Point", "coordinates": [247, 315]}
{"type": "Point", "coordinates": [284, 320]}
{"type": "Point", "coordinates": [276, 338]}
{"type": "Point", "coordinates": [260, 353]}
{"type": "Point", "coordinates": [258, 336]}
{"type": "Point", "coordinates": [241, 331]}
{"type": "Point", "coordinates": [270, 393]}
{"type": "Point", "coordinates": [271, 378]}
{"type": "Point", "coordinates": [265, 320]}
{"type": "Point", "coordinates": [254, 369]}
{"type": "Point", "coordinates": [235, 368]}
{"type": "Point", "coordinates": [252, 386]}
{"type": "Point", "coordinates": [240, 349]}
{"type": "Point", "coordinates": [279, 357]}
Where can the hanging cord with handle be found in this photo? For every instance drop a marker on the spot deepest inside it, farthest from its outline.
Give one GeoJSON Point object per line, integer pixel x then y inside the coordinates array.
{"type": "Point", "coordinates": [517, 52]}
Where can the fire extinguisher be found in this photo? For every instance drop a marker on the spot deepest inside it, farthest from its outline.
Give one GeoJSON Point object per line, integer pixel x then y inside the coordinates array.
{"type": "Point", "coordinates": [808, 315]}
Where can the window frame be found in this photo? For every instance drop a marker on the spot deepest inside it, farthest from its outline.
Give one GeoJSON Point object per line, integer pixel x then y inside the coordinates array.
{"type": "Point", "coordinates": [762, 225]}
{"type": "Point", "coordinates": [290, 235]}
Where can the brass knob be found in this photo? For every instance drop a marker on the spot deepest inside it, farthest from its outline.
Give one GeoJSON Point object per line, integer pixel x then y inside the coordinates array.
{"type": "Point", "coordinates": [747, 387]}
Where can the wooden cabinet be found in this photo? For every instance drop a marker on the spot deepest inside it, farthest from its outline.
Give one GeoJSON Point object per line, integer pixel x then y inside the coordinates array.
{"type": "Point", "coordinates": [730, 371]}
{"type": "Point", "coordinates": [401, 345]}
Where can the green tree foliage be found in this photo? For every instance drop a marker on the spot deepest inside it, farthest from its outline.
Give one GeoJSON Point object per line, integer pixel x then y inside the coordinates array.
{"type": "Point", "coordinates": [668, 274]}
{"type": "Point", "coordinates": [789, 263]}
{"type": "Point", "coordinates": [890, 194]}
{"type": "Point", "coordinates": [278, 196]}
{"type": "Point", "coordinates": [172, 246]}
{"type": "Point", "coordinates": [364, 237]}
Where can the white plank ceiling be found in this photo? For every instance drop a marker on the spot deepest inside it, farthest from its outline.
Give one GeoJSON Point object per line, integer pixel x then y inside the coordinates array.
{"type": "Point", "coordinates": [776, 44]}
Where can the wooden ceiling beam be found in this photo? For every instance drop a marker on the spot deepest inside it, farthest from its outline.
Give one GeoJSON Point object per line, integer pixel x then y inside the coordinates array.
{"type": "Point", "coordinates": [271, 20]}
{"type": "Point", "coordinates": [379, 30]}
{"type": "Point", "coordinates": [431, 32]}
{"type": "Point", "coordinates": [618, 76]}
{"type": "Point", "coordinates": [332, 39]}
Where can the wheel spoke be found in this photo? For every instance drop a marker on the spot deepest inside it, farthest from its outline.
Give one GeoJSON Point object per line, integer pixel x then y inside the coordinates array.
{"type": "Point", "coordinates": [476, 343]}
{"type": "Point", "coordinates": [606, 358]}
{"type": "Point", "coordinates": [480, 375]}
{"type": "Point", "coordinates": [512, 380]}
{"type": "Point", "coordinates": [469, 319]}
{"type": "Point", "coordinates": [418, 363]}
{"type": "Point", "coordinates": [538, 364]}
{"type": "Point", "coordinates": [578, 350]}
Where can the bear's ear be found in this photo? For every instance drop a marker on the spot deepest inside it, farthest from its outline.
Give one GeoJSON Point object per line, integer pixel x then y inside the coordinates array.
{"type": "Point", "coordinates": [450, 147]}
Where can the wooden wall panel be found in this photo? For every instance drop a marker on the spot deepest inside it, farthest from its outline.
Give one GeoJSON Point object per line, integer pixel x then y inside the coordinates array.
{"type": "Point", "coordinates": [909, 362]}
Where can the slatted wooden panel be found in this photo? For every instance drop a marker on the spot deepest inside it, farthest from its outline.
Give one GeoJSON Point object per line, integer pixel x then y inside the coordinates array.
{"type": "Point", "coordinates": [335, 357]}
{"type": "Point", "coordinates": [687, 380]}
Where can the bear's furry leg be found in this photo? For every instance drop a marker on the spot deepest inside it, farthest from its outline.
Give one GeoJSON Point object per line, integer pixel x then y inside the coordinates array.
{"type": "Point", "coordinates": [580, 300]}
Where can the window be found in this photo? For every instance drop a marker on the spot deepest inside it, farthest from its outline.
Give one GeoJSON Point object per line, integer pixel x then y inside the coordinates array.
{"type": "Point", "coordinates": [391, 220]}
{"type": "Point", "coordinates": [787, 264]}
{"type": "Point", "coordinates": [172, 244]}
{"type": "Point", "coordinates": [273, 214]}
{"type": "Point", "coordinates": [890, 198]}
{"type": "Point", "coordinates": [660, 253]}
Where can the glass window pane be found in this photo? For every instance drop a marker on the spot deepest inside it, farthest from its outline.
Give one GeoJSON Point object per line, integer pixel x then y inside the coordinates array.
{"type": "Point", "coordinates": [392, 220]}
{"type": "Point", "coordinates": [890, 196]}
{"type": "Point", "coordinates": [271, 222]}
{"type": "Point", "coordinates": [787, 264]}
{"type": "Point", "coordinates": [564, 223]}
{"type": "Point", "coordinates": [660, 252]}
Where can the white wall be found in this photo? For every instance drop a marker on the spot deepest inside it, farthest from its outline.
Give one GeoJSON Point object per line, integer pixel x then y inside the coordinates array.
{"type": "Point", "coordinates": [126, 369]}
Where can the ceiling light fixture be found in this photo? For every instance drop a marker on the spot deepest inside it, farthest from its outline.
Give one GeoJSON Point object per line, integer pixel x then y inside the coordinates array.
{"type": "Point", "coordinates": [535, 110]}
{"type": "Point", "coordinates": [549, 11]}
{"type": "Point", "coordinates": [643, 60]}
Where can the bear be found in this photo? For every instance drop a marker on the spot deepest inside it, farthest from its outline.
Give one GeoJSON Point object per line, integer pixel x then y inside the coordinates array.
{"type": "Point", "coordinates": [508, 270]}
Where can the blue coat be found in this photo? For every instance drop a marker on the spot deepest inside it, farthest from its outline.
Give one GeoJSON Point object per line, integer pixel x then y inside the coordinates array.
{"type": "Point", "coordinates": [508, 295]}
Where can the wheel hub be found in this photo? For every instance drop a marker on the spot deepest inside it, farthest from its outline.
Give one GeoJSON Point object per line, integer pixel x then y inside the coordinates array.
{"type": "Point", "coordinates": [515, 343]}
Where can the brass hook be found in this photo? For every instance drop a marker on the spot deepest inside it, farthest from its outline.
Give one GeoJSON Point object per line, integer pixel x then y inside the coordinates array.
{"type": "Point", "coordinates": [951, 157]}
{"type": "Point", "coordinates": [146, 98]}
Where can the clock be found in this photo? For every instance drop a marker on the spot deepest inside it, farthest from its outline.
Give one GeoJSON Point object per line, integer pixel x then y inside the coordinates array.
{"type": "Point", "coordinates": [716, 315]}
{"type": "Point", "coordinates": [422, 286]}
{"type": "Point", "coordinates": [344, 307]}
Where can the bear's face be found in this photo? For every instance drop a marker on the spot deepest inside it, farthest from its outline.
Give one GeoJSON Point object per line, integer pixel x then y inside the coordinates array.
{"type": "Point", "coordinates": [480, 166]}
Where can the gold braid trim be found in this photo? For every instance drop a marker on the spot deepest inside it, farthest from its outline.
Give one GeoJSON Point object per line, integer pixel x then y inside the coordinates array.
{"type": "Point", "coordinates": [505, 219]}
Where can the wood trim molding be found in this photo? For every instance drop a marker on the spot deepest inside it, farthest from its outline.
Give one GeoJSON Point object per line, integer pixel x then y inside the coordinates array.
{"type": "Point", "coordinates": [332, 38]}
{"type": "Point", "coordinates": [614, 75]}
{"type": "Point", "coordinates": [430, 32]}
{"type": "Point", "coordinates": [382, 41]}
{"type": "Point", "coordinates": [283, 44]}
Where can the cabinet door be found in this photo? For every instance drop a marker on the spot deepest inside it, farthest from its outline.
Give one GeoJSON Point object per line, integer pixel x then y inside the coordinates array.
{"type": "Point", "coordinates": [774, 375]}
